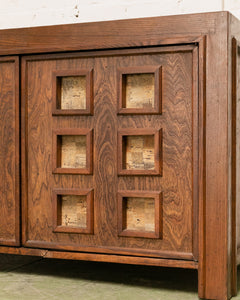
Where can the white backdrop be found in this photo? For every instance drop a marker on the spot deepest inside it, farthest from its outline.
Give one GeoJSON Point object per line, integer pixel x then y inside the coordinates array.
{"type": "Point", "coordinates": [26, 13]}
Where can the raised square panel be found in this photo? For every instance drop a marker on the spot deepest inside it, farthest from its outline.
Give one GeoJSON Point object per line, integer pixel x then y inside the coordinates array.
{"type": "Point", "coordinates": [72, 92]}
{"type": "Point", "coordinates": [140, 214]}
{"type": "Point", "coordinates": [139, 90]}
{"type": "Point", "coordinates": [73, 211]}
{"type": "Point", "coordinates": [72, 151]}
{"type": "Point", "coordinates": [139, 152]}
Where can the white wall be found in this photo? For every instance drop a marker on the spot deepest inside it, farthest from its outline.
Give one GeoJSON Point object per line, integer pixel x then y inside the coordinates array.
{"type": "Point", "coordinates": [26, 13]}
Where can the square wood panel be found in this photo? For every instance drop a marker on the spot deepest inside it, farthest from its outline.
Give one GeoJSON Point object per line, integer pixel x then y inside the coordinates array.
{"type": "Point", "coordinates": [72, 151]}
{"type": "Point", "coordinates": [140, 214]}
{"type": "Point", "coordinates": [73, 211]}
{"type": "Point", "coordinates": [72, 92]}
{"type": "Point", "coordinates": [139, 151]}
{"type": "Point", "coordinates": [140, 90]}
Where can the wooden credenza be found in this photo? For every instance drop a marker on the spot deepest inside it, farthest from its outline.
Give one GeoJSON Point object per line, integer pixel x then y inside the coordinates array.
{"type": "Point", "coordinates": [119, 142]}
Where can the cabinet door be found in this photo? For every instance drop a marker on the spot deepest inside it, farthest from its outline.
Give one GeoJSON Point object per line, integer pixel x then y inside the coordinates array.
{"type": "Point", "coordinates": [9, 151]}
{"type": "Point", "coordinates": [111, 151]}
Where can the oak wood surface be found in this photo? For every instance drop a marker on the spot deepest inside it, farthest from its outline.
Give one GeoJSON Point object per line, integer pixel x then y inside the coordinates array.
{"type": "Point", "coordinates": [101, 257]}
{"type": "Point", "coordinates": [177, 201]}
{"type": "Point", "coordinates": [209, 39]}
{"type": "Point", "coordinates": [111, 34]}
{"type": "Point", "coordinates": [9, 151]}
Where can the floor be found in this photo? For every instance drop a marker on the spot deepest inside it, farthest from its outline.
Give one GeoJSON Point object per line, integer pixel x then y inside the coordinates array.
{"type": "Point", "coordinates": [24, 278]}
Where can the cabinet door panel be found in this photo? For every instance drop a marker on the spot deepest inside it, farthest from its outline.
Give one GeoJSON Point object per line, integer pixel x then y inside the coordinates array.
{"type": "Point", "coordinates": [9, 151]}
{"type": "Point", "coordinates": [118, 177]}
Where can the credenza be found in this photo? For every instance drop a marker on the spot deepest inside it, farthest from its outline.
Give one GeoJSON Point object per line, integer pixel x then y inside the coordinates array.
{"type": "Point", "coordinates": [119, 142]}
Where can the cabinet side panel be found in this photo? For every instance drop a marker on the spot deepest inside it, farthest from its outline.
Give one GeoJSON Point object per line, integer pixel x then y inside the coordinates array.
{"type": "Point", "coordinates": [238, 155]}
{"type": "Point", "coordinates": [9, 151]}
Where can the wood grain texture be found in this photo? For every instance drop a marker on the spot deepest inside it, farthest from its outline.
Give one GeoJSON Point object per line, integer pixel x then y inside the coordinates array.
{"type": "Point", "coordinates": [176, 182]}
{"type": "Point", "coordinates": [234, 92]}
{"type": "Point", "coordinates": [234, 150]}
{"type": "Point", "coordinates": [72, 92]}
{"type": "Point", "coordinates": [140, 214]}
{"type": "Point", "coordinates": [9, 151]}
{"type": "Point", "coordinates": [212, 220]}
{"type": "Point", "coordinates": [215, 229]}
{"type": "Point", "coordinates": [117, 34]}
{"type": "Point", "coordinates": [72, 151]}
{"type": "Point", "coordinates": [139, 90]}
{"type": "Point", "coordinates": [101, 257]}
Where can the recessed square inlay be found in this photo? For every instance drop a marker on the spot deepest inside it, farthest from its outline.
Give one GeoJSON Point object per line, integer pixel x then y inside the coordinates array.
{"type": "Point", "coordinates": [72, 92]}
{"type": "Point", "coordinates": [140, 214]}
{"type": "Point", "coordinates": [73, 210]}
{"type": "Point", "coordinates": [140, 90]}
{"type": "Point", "coordinates": [139, 152]}
{"type": "Point", "coordinates": [72, 151]}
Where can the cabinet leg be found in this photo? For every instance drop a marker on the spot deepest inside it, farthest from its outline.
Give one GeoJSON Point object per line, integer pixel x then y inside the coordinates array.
{"type": "Point", "coordinates": [211, 288]}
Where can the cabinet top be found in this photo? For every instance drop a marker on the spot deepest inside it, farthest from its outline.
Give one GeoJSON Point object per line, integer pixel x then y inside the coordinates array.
{"type": "Point", "coordinates": [112, 34]}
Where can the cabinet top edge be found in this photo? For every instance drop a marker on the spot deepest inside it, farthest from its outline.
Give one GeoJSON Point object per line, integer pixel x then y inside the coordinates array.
{"type": "Point", "coordinates": [124, 33]}
{"type": "Point", "coordinates": [164, 18]}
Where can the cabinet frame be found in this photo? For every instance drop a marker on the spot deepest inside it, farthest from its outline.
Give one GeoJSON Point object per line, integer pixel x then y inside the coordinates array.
{"type": "Point", "coordinates": [212, 35]}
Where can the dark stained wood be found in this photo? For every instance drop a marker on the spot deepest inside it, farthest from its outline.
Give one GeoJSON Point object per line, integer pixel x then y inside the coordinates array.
{"type": "Point", "coordinates": [177, 206]}
{"type": "Point", "coordinates": [113, 250]}
{"type": "Point", "coordinates": [9, 151]}
{"type": "Point", "coordinates": [234, 165]}
{"type": "Point", "coordinates": [111, 34]}
{"type": "Point", "coordinates": [202, 168]}
{"type": "Point", "coordinates": [199, 122]}
{"type": "Point", "coordinates": [101, 257]}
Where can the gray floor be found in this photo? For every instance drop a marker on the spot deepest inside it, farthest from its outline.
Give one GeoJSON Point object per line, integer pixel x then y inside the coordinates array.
{"type": "Point", "coordinates": [33, 278]}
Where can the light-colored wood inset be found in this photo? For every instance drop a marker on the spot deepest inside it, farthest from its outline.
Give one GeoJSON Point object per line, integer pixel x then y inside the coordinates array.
{"type": "Point", "coordinates": [73, 151]}
{"type": "Point", "coordinates": [139, 152]}
{"type": "Point", "coordinates": [74, 211]}
{"type": "Point", "coordinates": [140, 213]}
{"type": "Point", "coordinates": [139, 90]}
{"type": "Point", "coordinates": [73, 92]}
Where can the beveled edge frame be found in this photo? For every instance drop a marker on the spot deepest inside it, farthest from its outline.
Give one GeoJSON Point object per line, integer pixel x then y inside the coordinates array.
{"type": "Point", "coordinates": [89, 151]}
{"type": "Point", "coordinates": [56, 211]}
{"type": "Point", "coordinates": [157, 196]}
{"type": "Point", "coordinates": [157, 150]}
{"type": "Point", "coordinates": [157, 71]}
{"type": "Point", "coordinates": [56, 75]}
